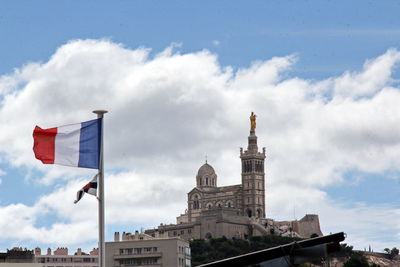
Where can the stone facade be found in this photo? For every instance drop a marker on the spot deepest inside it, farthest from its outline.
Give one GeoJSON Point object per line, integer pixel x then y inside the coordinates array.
{"type": "Point", "coordinates": [143, 250]}
{"type": "Point", "coordinates": [235, 211]}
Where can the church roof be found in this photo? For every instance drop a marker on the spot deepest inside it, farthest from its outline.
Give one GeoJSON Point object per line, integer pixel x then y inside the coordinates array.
{"type": "Point", "coordinates": [229, 188]}
{"type": "Point", "coordinates": [206, 169]}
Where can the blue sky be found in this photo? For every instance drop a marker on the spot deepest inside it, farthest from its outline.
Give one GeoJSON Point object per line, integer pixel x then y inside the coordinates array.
{"type": "Point", "coordinates": [322, 76]}
{"type": "Point", "coordinates": [330, 36]}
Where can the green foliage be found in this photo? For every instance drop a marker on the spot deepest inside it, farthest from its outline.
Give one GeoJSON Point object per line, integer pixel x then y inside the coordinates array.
{"type": "Point", "coordinates": [392, 252]}
{"type": "Point", "coordinates": [356, 260]}
{"type": "Point", "coordinates": [345, 251]}
{"type": "Point", "coordinates": [204, 251]}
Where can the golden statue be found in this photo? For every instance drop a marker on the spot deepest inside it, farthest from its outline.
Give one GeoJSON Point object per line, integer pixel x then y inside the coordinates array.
{"type": "Point", "coordinates": [252, 121]}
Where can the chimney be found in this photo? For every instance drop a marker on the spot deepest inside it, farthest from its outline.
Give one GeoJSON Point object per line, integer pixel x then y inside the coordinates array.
{"type": "Point", "coordinates": [124, 236]}
{"type": "Point", "coordinates": [61, 251]}
{"type": "Point", "coordinates": [38, 251]}
{"type": "Point", "coordinates": [94, 251]}
{"type": "Point", "coordinates": [116, 236]}
{"type": "Point", "coordinates": [79, 252]}
{"type": "Point", "coordinates": [48, 251]}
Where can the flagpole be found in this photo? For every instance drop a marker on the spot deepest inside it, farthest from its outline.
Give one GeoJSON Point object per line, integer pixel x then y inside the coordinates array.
{"type": "Point", "coordinates": [100, 115]}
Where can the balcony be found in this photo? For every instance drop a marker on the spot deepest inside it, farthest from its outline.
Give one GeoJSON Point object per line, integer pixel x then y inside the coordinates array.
{"type": "Point", "coordinates": [138, 256]}
{"type": "Point", "coordinates": [149, 265]}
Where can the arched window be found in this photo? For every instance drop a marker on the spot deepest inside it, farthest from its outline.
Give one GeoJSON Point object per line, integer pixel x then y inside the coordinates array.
{"type": "Point", "coordinates": [259, 213]}
{"type": "Point", "coordinates": [196, 203]}
{"type": "Point", "coordinates": [206, 180]}
{"type": "Point", "coordinates": [249, 213]}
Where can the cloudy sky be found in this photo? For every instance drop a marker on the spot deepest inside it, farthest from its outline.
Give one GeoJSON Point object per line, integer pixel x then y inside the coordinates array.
{"type": "Point", "coordinates": [179, 80]}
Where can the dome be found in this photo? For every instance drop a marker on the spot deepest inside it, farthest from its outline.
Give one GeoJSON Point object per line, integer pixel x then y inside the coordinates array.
{"type": "Point", "coordinates": [206, 169]}
{"type": "Point", "coordinates": [206, 176]}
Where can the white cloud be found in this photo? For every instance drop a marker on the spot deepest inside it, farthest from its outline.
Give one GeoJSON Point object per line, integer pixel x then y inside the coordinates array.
{"type": "Point", "coordinates": [166, 112]}
{"type": "Point", "coordinates": [365, 224]}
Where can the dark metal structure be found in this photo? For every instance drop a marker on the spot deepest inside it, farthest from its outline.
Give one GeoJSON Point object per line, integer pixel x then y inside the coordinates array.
{"type": "Point", "coordinates": [286, 255]}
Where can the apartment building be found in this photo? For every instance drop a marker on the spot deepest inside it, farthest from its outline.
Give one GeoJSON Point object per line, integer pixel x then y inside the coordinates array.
{"type": "Point", "coordinates": [61, 258]}
{"type": "Point", "coordinates": [143, 250]}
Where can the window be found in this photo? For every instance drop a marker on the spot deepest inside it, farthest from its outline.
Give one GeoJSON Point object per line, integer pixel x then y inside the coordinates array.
{"type": "Point", "coordinates": [149, 261]}
{"type": "Point", "coordinates": [127, 262]}
{"type": "Point", "coordinates": [196, 204]}
{"type": "Point", "coordinates": [129, 251]}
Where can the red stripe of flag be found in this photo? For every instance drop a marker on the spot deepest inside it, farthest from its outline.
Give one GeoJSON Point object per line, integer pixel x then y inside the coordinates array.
{"type": "Point", "coordinates": [87, 187]}
{"type": "Point", "coordinates": [44, 144]}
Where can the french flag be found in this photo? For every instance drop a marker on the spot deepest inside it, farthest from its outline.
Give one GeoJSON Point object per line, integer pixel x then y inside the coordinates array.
{"type": "Point", "coordinates": [89, 188]}
{"type": "Point", "coordinates": [76, 145]}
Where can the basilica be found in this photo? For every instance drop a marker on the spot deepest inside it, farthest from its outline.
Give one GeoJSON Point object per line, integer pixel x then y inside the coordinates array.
{"type": "Point", "coordinates": [235, 211]}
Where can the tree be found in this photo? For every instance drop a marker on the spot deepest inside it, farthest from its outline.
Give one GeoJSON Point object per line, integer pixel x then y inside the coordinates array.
{"type": "Point", "coordinates": [204, 251]}
{"type": "Point", "coordinates": [394, 252]}
{"type": "Point", "coordinates": [356, 260]}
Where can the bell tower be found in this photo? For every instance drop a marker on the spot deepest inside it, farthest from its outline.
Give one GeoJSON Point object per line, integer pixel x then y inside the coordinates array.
{"type": "Point", "coordinates": [253, 175]}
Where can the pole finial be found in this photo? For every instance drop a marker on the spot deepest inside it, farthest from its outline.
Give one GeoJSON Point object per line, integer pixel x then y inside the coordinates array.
{"type": "Point", "coordinates": [100, 112]}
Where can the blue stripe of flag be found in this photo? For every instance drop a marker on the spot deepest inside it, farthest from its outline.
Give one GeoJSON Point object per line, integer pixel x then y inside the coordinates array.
{"type": "Point", "coordinates": [89, 144]}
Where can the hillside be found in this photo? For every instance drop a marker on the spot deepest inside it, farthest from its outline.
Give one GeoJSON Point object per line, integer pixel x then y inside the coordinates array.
{"type": "Point", "coordinates": [373, 258]}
